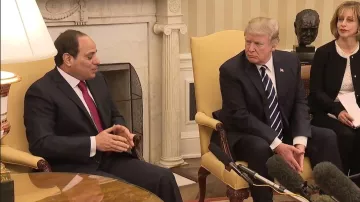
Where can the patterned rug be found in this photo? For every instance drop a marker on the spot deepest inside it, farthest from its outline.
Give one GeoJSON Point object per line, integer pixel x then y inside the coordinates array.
{"type": "Point", "coordinates": [224, 199]}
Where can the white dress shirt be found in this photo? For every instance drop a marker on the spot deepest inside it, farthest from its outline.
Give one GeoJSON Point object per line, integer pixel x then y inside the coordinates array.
{"type": "Point", "coordinates": [73, 82]}
{"type": "Point", "coordinates": [271, 73]}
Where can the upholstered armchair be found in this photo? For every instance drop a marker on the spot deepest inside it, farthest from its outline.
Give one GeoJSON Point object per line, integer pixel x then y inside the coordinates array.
{"type": "Point", "coordinates": [208, 54]}
{"type": "Point", "coordinates": [14, 146]}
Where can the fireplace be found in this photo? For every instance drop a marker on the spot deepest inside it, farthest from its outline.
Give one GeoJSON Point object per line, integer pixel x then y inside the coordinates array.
{"type": "Point", "coordinates": [122, 65]}
{"type": "Point", "coordinates": [126, 92]}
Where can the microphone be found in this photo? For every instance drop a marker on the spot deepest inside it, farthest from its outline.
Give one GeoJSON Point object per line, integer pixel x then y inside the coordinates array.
{"type": "Point", "coordinates": [333, 182]}
{"type": "Point", "coordinates": [240, 168]}
{"type": "Point", "coordinates": [288, 177]}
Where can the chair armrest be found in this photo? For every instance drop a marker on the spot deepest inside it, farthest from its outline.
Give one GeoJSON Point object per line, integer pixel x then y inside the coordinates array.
{"type": "Point", "coordinates": [204, 120]}
{"type": "Point", "coordinates": [13, 156]}
{"type": "Point", "coordinates": [138, 147]}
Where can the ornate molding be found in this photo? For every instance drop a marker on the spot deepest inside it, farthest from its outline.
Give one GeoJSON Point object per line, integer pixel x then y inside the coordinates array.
{"type": "Point", "coordinates": [56, 10]}
{"type": "Point", "coordinates": [166, 29]}
{"type": "Point", "coordinates": [174, 6]}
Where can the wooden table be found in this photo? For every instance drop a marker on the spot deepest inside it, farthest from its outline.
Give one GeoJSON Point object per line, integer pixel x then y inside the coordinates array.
{"type": "Point", "coordinates": [61, 187]}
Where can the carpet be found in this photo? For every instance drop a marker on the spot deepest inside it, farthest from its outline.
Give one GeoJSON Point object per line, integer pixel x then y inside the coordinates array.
{"type": "Point", "coordinates": [225, 199]}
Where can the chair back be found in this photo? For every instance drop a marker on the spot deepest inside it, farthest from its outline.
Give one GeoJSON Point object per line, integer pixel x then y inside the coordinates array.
{"type": "Point", "coordinates": [208, 54]}
{"type": "Point", "coordinates": [305, 76]}
{"type": "Point", "coordinates": [29, 73]}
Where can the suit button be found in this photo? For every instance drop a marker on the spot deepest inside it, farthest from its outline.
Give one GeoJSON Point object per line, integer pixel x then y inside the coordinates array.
{"type": "Point", "coordinates": [354, 76]}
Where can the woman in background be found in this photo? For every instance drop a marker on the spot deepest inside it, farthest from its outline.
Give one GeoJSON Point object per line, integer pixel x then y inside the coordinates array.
{"type": "Point", "coordinates": [336, 70]}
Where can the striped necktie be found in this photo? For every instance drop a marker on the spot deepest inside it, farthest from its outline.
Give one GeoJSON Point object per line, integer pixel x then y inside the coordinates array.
{"type": "Point", "coordinates": [275, 116]}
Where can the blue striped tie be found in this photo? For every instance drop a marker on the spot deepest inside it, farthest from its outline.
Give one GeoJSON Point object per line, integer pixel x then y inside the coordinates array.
{"type": "Point", "coordinates": [275, 116]}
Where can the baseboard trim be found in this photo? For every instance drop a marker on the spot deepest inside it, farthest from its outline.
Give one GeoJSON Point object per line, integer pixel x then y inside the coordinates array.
{"type": "Point", "coordinates": [191, 156]}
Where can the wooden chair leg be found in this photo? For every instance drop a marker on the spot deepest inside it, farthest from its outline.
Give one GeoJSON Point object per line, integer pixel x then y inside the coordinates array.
{"type": "Point", "coordinates": [237, 195]}
{"type": "Point", "coordinates": [202, 174]}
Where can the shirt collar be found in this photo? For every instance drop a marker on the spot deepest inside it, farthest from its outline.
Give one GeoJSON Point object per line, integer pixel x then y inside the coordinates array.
{"type": "Point", "coordinates": [70, 79]}
{"type": "Point", "coordinates": [342, 53]}
{"type": "Point", "coordinates": [269, 64]}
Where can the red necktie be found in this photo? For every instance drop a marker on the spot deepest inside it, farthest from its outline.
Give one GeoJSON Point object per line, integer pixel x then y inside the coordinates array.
{"type": "Point", "coordinates": [91, 105]}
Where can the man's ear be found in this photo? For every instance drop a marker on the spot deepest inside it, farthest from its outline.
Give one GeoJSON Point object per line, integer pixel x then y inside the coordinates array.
{"type": "Point", "coordinates": [68, 59]}
{"type": "Point", "coordinates": [273, 46]}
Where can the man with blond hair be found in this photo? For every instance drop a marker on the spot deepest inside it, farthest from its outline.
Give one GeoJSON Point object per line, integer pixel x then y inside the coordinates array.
{"type": "Point", "coordinates": [265, 110]}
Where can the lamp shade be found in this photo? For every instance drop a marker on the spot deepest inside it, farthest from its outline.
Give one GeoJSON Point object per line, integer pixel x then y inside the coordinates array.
{"type": "Point", "coordinates": [24, 35]}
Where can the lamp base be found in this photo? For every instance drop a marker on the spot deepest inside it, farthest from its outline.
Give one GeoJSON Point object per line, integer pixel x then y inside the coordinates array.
{"type": "Point", "coordinates": [6, 186]}
{"type": "Point", "coordinates": [7, 78]}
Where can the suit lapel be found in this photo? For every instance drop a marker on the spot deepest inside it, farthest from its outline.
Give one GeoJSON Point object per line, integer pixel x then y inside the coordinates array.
{"type": "Point", "coordinates": [281, 76]}
{"type": "Point", "coordinates": [282, 81]}
{"type": "Point", "coordinates": [65, 87]}
{"type": "Point", "coordinates": [255, 78]}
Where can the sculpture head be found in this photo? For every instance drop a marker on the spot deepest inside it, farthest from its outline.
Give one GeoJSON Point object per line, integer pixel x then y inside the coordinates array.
{"type": "Point", "coordinates": [306, 26]}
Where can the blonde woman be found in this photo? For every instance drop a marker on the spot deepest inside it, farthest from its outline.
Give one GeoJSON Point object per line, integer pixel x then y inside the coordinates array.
{"type": "Point", "coordinates": [335, 71]}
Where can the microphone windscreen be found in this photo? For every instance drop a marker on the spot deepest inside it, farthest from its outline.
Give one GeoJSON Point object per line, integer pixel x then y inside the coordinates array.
{"type": "Point", "coordinates": [288, 177]}
{"type": "Point", "coordinates": [322, 198]}
{"type": "Point", "coordinates": [219, 154]}
{"type": "Point", "coordinates": [333, 182]}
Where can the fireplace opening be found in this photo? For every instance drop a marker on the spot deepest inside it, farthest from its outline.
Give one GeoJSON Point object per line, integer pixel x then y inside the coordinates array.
{"type": "Point", "coordinates": [126, 92]}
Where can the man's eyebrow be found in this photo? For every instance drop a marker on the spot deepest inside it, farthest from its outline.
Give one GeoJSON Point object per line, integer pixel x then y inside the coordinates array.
{"type": "Point", "coordinates": [91, 52]}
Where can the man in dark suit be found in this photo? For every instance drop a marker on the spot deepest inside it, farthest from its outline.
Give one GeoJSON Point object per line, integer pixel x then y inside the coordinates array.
{"type": "Point", "coordinates": [73, 123]}
{"type": "Point", "coordinates": [264, 107]}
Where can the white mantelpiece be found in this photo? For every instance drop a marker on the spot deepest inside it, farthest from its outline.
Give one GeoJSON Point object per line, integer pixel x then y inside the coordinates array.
{"type": "Point", "coordinates": [144, 33]}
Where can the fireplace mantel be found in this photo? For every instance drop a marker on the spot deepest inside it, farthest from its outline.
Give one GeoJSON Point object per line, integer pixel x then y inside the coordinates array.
{"type": "Point", "coordinates": [144, 33]}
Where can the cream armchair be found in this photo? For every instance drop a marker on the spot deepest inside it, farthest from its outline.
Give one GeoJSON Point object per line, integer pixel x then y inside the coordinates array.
{"type": "Point", "coordinates": [208, 54]}
{"type": "Point", "coordinates": [14, 146]}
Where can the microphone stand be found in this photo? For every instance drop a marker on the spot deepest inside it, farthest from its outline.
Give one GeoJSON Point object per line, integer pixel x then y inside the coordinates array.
{"type": "Point", "coordinates": [354, 176]}
{"type": "Point", "coordinates": [273, 185]}
{"type": "Point", "coordinates": [243, 175]}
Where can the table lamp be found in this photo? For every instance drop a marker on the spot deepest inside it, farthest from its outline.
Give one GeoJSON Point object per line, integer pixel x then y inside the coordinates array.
{"type": "Point", "coordinates": [24, 38]}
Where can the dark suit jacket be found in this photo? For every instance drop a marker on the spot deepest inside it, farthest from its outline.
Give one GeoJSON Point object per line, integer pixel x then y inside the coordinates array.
{"type": "Point", "coordinates": [58, 126]}
{"type": "Point", "coordinates": [245, 108]}
{"type": "Point", "coordinates": [326, 76]}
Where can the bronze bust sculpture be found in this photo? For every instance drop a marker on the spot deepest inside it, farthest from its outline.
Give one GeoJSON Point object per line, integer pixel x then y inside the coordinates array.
{"type": "Point", "coordinates": [306, 29]}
